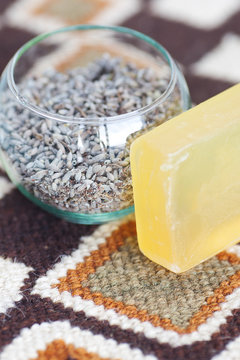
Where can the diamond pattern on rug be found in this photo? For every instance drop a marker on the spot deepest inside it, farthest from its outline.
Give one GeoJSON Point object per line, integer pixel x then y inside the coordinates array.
{"type": "Point", "coordinates": [119, 277]}
{"type": "Point", "coordinates": [72, 11]}
{"type": "Point", "coordinates": [47, 15]}
{"type": "Point", "coordinates": [132, 279]}
{"type": "Point", "coordinates": [108, 277]}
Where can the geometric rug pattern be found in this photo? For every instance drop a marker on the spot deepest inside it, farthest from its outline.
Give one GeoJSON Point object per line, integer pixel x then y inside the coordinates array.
{"type": "Point", "coordinates": [86, 292]}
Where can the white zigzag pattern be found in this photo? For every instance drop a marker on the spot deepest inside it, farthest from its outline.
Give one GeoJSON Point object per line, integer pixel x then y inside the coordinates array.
{"type": "Point", "coordinates": [26, 345]}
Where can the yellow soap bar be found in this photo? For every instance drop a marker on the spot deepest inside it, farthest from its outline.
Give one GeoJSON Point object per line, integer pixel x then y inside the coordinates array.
{"type": "Point", "coordinates": [186, 182]}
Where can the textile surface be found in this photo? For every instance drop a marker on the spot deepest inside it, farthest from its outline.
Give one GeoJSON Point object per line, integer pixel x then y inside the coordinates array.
{"type": "Point", "coordinates": [86, 292]}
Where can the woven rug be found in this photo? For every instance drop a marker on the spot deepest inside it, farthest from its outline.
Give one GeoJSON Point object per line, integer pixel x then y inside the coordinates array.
{"type": "Point", "coordinates": [86, 292]}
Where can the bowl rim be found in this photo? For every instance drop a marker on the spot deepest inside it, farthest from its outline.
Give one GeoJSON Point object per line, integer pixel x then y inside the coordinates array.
{"type": "Point", "coordinates": [40, 112]}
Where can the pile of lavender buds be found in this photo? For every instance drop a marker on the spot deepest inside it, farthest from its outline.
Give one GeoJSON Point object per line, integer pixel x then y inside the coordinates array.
{"type": "Point", "coordinates": [67, 164]}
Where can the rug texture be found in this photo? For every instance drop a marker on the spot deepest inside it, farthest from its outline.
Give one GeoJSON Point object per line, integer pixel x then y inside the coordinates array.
{"type": "Point", "coordinates": [74, 292]}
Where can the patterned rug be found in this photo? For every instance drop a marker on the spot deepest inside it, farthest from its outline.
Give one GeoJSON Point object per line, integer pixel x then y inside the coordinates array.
{"type": "Point", "coordinates": [86, 292]}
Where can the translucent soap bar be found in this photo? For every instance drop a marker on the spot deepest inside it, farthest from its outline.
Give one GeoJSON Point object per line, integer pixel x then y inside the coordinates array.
{"type": "Point", "coordinates": [186, 182]}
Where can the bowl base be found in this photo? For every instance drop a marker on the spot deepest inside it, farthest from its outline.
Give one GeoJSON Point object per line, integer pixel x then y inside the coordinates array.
{"type": "Point", "coordinates": [77, 218]}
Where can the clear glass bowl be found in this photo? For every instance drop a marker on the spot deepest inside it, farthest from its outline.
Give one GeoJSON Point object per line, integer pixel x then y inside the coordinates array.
{"type": "Point", "coordinates": [77, 167]}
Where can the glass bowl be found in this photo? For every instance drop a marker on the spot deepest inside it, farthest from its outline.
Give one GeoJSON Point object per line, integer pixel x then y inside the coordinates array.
{"type": "Point", "coordinates": [74, 165]}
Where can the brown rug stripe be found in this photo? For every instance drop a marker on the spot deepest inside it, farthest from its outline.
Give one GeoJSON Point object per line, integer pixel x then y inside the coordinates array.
{"type": "Point", "coordinates": [15, 39]}
{"type": "Point", "coordinates": [35, 310]}
{"type": "Point", "coordinates": [39, 238]}
{"type": "Point", "coordinates": [4, 4]}
{"type": "Point", "coordinates": [184, 49]}
{"type": "Point", "coordinates": [202, 88]}
{"type": "Point", "coordinates": [233, 24]}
